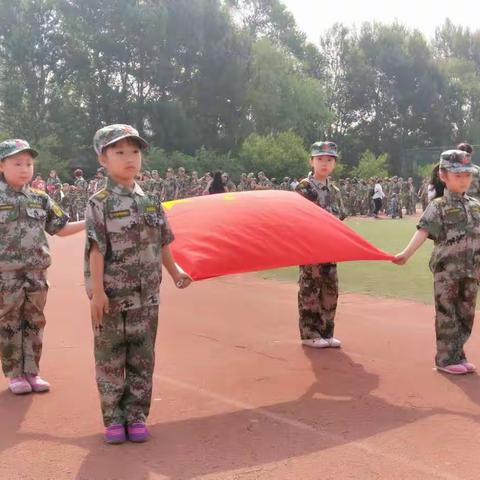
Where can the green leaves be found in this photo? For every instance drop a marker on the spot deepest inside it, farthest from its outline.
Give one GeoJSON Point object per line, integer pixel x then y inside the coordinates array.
{"type": "Point", "coordinates": [278, 155]}
{"type": "Point", "coordinates": [215, 79]}
{"type": "Point", "coordinates": [371, 166]}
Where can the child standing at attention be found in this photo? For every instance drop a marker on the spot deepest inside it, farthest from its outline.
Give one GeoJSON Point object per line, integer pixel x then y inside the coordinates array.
{"type": "Point", "coordinates": [318, 284]}
{"type": "Point", "coordinates": [453, 223]}
{"type": "Point", "coordinates": [128, 239]}
{"type": "Point", "coordinates": [25, 215]}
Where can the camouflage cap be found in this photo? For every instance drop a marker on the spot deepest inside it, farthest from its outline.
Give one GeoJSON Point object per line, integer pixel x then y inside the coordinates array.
{"type": "Point", "coordinates": [113, 133]}
{"type": "Point", "coordinates": [324, 148]}
{"type": "Point", "coordinates": [456, 161]}
{"type": "Point", "coordinates": [12, 146]}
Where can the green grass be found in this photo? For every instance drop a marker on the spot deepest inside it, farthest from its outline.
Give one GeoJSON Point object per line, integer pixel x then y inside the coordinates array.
{"type": "Point", "coordinates": [382, 279]}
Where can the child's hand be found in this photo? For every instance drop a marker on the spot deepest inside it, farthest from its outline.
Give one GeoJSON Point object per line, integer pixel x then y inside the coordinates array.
{"type": "Point", "coordinates": [400, 259]}
{"type": "Point", "coordinates": [182, 280]}
{"type": "Point", "coordinates": [99, 305]}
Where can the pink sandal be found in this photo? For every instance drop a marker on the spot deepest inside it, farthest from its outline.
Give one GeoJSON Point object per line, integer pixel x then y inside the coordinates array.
{"type": "Point", "coordinates": [469, 366]}
{"type": "Point", "coordinates": [457, 369]}
{"type": "Point", "coordinates": [37, 383]}
{"type": "Point", "coordinates": [19, 386]}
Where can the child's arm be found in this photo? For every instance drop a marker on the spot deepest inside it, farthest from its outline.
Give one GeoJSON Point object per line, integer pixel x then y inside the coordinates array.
{"type": "Point", "coordinates": [181, 279]}
{"type": "Point", "coordinates": [99, 302]}
{"type": "Point", "coordinates": [71, 228]}
{"type": "Point", "coordinates": [415, 243]}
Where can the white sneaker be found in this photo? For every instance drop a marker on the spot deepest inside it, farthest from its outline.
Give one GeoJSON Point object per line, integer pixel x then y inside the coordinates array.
{"type": "Point", "coordinates": [322, 342]}
{"type": "Point", "coordinates": [316, 343]}
{"type": "Point", "coordinates": [334, 342]}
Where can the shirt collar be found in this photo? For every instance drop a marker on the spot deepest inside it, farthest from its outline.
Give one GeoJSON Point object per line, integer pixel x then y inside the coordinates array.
{"type": "Point", "coordinates": [319, 183]}
{"type": "Point", "coordinates": [5, 187]}
{"type": "Point", "coordinates": [121, 190]}
{"type": "Point", "coordinates": [452, 196]}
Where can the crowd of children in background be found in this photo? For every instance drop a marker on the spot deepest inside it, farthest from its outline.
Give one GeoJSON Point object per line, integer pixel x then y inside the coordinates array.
{"type": "Point", "coordinates": [392, 196]}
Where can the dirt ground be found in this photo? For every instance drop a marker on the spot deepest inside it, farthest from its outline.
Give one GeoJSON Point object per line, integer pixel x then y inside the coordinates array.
{"type": "Point", "coordinates": [237, 397]}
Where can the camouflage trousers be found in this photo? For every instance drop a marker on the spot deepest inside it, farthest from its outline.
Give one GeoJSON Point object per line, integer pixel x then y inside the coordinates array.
{"type": "Point", "coordinates": [317, 300]}
{"type": "Point", "coordinates": [22, 299]}
{"type": "Point", "coordinates": [124, 359]}
{"type": "Point", "coordinates": [455, 301]}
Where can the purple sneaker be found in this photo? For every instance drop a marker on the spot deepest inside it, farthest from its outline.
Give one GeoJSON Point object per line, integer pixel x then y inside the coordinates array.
{"type": "Point", "coordinates": [115, 434]}
{"type": "Point", "coordinates": [138, 432]}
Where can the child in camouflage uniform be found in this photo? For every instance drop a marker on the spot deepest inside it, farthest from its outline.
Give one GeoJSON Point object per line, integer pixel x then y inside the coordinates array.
{"type": "Point", "coordinates": [128, 239]}
{"type": "Point", "coordinates": [318, 284]}
{"type": "Point", "coordinates": [453, 223]}
{"type": "Point", "coordinates": [25, 215]}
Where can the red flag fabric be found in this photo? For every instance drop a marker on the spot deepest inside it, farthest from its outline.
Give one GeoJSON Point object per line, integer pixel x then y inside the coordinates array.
{"type": "Point", "coordinates": [249, 231]}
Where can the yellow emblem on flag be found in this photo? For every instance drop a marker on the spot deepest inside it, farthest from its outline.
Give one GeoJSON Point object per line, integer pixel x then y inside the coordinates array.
{"type": "Point", "coordinates": [170, 204]}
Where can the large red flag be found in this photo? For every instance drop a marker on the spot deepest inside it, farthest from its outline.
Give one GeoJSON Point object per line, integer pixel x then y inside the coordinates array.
{"type": "Point", "coordinates": [249, 231]}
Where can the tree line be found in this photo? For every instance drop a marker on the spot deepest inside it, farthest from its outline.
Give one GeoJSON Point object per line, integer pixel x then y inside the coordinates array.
{"type": "Point", "coordinates": [230, 84]}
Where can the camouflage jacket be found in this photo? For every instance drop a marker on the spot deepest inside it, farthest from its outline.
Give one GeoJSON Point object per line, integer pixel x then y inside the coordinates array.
{"type": "Point", "coordinates": [453, 223]}
{"type": "Point", "coordinates": [169, 189]}
{"type": "Point", "coordinates": [243, 186]}
{"type": "Point", "coordinates": [25, 216]}
{"type": "Point", "coordinates": [57, 197]}
{"type": "Point", "coordinates": [230, 186]}
{"type": "Point", "coordinates": [130, 229]}
{"type": "Point", "coordinates": [81, 184]}
{"type": "Point", "coordinates": [183, 186]}
{"type": "Point", "coordinates": [156, 186]}
{"type": "Point", "coordinates": [196, 188]}
{"type": "Point", "coordinates": [325, 195]}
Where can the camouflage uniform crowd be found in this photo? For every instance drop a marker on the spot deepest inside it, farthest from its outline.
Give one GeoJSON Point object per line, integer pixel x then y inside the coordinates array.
{"type": "Point", "coordinates": [401, 196]}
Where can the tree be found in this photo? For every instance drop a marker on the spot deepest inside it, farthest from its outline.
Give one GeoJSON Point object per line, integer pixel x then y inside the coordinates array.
{"type": "Point", "coordinates": [371, 166]}
{"type": "Point", "coordinates": [31, 46]}
{"type": "Point", "coordinates": [277, 155]}
{"type": "Point", "coordinates": [281, 99]}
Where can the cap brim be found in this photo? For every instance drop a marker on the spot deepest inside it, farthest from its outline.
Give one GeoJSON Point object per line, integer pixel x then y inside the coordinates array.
{"type": "Point", "coordinates": [461, 169]}
{"type": "Point", "coordinates": [33, 152]}
{"type": "Point", "coordinates": [324, 154]}
{"type": "Point", "coordinates": [143, 142]}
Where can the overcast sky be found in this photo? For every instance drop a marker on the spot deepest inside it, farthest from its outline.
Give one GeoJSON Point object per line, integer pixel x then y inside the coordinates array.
{"type": "Point", "coordinates": [315, 16]}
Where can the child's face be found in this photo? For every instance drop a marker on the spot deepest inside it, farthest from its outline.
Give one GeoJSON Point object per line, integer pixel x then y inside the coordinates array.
{"type": "Point", "coordinates": [322, 165]}
{"type": "Point", "coordinates": [456, 182]}
{"type": "Point", "coordinates": [123, 160]}
{"type": "Point", "coordinates": [17, 169]}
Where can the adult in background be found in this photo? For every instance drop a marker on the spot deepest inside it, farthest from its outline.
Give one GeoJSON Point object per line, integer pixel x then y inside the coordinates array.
{"type": "Point", "coordinates": [216, 184]}
{"type": "Point", "coordinates": [378, 196]}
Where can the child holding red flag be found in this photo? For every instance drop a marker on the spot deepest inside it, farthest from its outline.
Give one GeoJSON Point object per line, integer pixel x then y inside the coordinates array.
{"type": "Point", "coordinates": [452, 221]}
{"type": "Point", "coordinates": [128, 239]}
{"type": "Point", "coordinates": [318, 284]}
{"type": "Point", "coordinates": [25, 215]}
